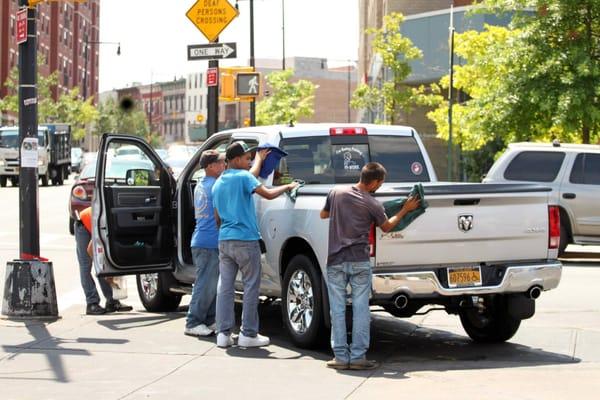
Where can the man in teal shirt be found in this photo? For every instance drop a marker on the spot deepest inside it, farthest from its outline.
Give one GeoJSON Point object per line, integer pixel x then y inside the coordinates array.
{"type": "Point", "coordinates": [239, 237]}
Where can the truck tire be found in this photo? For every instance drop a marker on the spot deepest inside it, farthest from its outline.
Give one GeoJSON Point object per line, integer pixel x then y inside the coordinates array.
{"type": "Point", "coordinates": [45, 179]}
{"type": "Point", "coordinates": [494, 325]}
{"type": "Point", "coordinates": [302, 303]}
{"type": "Point", "coordinates": [3, 180]}
{"type": "Point", "coordinates": [71, 226]}
{"type": "Point", "coordinates": [154, 293]}
{"type": "Point", "coordinates": [15, 181]}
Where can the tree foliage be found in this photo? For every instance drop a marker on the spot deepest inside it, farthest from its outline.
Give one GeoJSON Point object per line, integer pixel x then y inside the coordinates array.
{"type": "Point", "coordinates": [396, 52]}
{"type": "Point", "coordinates": [69, 108]}
{"type": "Point", "coordinates": [288, 102]}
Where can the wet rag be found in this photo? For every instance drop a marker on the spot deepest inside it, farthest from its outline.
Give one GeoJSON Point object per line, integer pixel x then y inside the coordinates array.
{"type": "Point", "coordinates": [393, 206]}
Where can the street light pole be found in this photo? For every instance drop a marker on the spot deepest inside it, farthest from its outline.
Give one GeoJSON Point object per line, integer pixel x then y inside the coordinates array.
{"type": "Point", "coordinates": [86, 43]}
{"type": "Point", "coordinates": [450, 92]}
{"type": "Point", "coordinates": [252, 102]}
{"type": "Point", "coordinates": [283, 35]}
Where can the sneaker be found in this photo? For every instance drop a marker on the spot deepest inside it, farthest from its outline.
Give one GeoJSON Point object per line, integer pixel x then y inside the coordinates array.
{"type": "Point", "coordinates": [213, 327]}
{"type": "Point", "coordinates": [224, 340]}
{"type": "Point", "coordinates": [116, 305]}
{"type": "Point", "coordinates": [248, 341]}
{"type": "Point", "coordinates": [198, 330]}
{"type": "Point", "coordinates": [337, 364]}
{"type": "Point", "coordinates": [94, 309]}
{"type": "Point", "coordinates": [363, 364]}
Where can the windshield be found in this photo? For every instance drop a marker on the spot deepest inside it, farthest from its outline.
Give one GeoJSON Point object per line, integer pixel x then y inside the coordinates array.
{"type": "Point", "coordinates": [327, 160]}
{"type": "Point", "coordinates": [10, 139]}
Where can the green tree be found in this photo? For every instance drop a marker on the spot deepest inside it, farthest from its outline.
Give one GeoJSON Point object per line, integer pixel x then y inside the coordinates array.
{"type": "Point", "coordinates": [396, 52]}
{"type": "Point", "coordinates": [288, 102]}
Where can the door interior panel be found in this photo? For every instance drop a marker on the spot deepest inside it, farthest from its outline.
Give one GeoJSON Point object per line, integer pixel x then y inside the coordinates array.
{"type": "Point", "coordinates": [135, 225]}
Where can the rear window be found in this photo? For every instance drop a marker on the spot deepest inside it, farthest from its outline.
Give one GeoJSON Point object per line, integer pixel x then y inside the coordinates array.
{"type": "Point", "coordinates": [327, 160]}
{"type": "Point", "coordinates": [586, 169]}
{"type": "Point", "coordinates": [535, 166]}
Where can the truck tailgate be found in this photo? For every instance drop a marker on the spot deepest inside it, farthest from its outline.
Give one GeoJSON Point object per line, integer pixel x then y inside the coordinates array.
{"type": "Point", "coordinates": [508, 223]}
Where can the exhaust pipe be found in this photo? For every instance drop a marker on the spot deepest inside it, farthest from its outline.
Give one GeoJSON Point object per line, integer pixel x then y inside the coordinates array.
{"type": "Point", "coordinates": [401, 301]}
{"type": "Point", "coordinates": [534, 292]}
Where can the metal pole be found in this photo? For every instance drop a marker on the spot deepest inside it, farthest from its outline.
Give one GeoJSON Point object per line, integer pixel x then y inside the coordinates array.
{"type": "Point", "coordinates": [450, 93]}
{"type": "Point", "coordinates": [283, 34]}
{"type": "Point", "coordinates": [29, 229]}
{"type": "Point", "coordinates": [349, 91]}
{"type": "Point", "coordinates": [85, 62]}
{"type": "Point", "coordinates": [212, 103]}
{"type": "Point", "coordinates": [252, 102]}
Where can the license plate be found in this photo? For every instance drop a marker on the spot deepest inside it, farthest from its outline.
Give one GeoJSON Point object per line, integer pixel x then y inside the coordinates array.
{"type": "Point", "coordinates": [464, 276]}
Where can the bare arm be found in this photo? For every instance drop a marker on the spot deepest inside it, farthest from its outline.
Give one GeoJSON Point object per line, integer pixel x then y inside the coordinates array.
{"type": "Point", "coordinates": [324, 214]}
{"type": "Point", "coordinates": [273, 193]}
{"type": "Point", "coordinates": [258, 161]}
{"type": "Point", "coordinates": [90, 249]}
{"type": "Point", "coordinates": [410, 204]}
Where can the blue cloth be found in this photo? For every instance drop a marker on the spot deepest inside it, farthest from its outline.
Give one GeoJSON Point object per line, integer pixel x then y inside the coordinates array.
{"type": "Point", "coordinates": [358, 276]}
{"type": "Point", "coordinates": [206, 234]}
{"type": "Point", "coordinates": [233, 200]}
{"type": "Point", "coordinates": [272, 159]}
{"type": "Point", "coordinates": [202, 307]}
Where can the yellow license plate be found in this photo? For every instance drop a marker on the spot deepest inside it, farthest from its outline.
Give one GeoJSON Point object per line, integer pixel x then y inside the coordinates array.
{"type": "Point", "coordinates": [464, 276]}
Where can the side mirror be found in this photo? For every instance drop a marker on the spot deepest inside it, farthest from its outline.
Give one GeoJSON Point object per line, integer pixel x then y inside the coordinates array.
{"type": "Point", "coordinates": [137, 177]}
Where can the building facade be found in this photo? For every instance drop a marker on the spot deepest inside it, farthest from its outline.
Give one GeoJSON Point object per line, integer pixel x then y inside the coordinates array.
{"type": "Point", "coordinates": [66, 36]}
{"type": "Point", "coordinates": [196, 110]}
{"type": "Point", "coordinates": [173, 110]}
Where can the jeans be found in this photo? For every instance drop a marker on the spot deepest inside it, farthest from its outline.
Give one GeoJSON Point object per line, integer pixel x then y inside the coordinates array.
{"type": "Point", "coordinates": [82, 238]}
{"type": "Point", "coordinates": [245, 256]}
{"type": "Point", "coordinates": [358, 275]}
{"type": "Point", "coordinates": [203, 303]}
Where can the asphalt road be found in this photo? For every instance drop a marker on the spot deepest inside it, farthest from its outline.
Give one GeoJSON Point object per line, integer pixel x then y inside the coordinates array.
{"type": "Point", "coordinates": [555, 355]}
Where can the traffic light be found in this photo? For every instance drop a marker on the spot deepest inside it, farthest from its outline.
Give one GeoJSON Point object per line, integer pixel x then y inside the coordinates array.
{"type": "Point", "coordinates": [238, 84]}
{"type": "Point", "coordinates": [227, 85]}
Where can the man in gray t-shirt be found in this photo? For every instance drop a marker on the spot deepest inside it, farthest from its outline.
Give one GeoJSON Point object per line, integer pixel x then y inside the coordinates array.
{"type": "Point", "coordinates": [351, 211]}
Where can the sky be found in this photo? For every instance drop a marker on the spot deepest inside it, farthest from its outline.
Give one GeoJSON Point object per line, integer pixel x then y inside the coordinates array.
{"type": "Point", "coordinates": [154, 35]}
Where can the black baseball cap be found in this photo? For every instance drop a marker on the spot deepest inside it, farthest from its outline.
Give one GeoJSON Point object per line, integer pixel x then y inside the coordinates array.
{"type": "Point", "coordinates": [210, 156]}
{"type": "Point", "coordinates": [237, 149]}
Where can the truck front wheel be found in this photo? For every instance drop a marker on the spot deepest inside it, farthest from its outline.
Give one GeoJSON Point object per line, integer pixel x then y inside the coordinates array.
{"type": "Point", "coordinates": [302, 302]}
{"type": "Point", "coordinates": [491, 325]}
{"type": "Point", "coordinates": [154, 293]}
{"type": "Point", "coordinates": [45, 179]}
{"type": "Point", "coordinates": [3, 181]}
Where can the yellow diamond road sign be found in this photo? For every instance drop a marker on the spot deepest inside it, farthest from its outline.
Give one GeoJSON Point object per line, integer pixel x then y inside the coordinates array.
{"type": "Point", "coordinates": [212, 16]}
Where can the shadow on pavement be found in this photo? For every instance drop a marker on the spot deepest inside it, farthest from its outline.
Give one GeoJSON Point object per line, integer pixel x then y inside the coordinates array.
{"type": "Point", "coordinates": [132, 321]}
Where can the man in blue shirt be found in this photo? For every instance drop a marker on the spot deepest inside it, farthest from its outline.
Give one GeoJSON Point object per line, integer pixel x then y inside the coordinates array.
{"type": "Point", "coordinates": [239, 242]}
{"type": "Point", "coordinates": [200, 319]}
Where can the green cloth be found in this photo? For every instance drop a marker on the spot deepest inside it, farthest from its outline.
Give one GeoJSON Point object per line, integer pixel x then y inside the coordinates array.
{"type": "Point", "coordinates": [393, 206]}
{"type": "Point", "coordinates": [294, 192]}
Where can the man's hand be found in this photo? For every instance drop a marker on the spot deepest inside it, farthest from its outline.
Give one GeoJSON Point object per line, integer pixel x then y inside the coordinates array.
{"type": "Point", "coordinates": [258, 161]}
{"type": "Point", "coordinates": [412, 203]}
{"type": "Point", "coordinates": [292, 186]}
{"type": "Point", "coordinates": [261, 155]}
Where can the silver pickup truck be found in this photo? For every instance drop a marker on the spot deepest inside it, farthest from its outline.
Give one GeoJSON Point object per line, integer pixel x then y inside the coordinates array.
{"type": "Point", "coordinates": [484, 252]}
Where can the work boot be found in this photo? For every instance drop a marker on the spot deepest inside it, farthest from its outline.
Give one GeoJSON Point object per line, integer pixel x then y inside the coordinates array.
{"type": "Point", "coordinates": [94, 309]}
{"type": "Point", "coordinates": [337, 364]}
{"type": "Point", "coordinates": [363, 364]}
{"type": "Point", "coordinates": [116, 305]}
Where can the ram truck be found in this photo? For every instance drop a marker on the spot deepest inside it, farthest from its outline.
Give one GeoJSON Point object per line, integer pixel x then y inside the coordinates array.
{"type": "Point", "coordinates": [482, 252]}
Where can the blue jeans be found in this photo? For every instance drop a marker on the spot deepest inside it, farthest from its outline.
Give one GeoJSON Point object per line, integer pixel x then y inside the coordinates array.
{"type": "Point", "coordinates": [82, 238]}
{"type": "Point", "coordinates": [358, 275]}
{"type": "Point", "coordinates": [245, 256]}
{"type": "Point", "coordinates": [204, 294]}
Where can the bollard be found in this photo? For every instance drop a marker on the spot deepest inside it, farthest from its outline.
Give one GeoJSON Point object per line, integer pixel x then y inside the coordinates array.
{"type": "Point", "coordinates": [29, 290]}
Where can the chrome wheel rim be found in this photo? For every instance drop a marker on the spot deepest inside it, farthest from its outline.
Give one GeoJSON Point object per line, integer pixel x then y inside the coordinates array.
{"type": "Point", "coordinates": [300, 301]}
{"type": "Point", "coordinates": [149, 285]}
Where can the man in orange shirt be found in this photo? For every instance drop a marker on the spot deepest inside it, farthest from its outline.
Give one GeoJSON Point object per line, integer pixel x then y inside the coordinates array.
{"type": "Point", "coordinates": [83, 229]}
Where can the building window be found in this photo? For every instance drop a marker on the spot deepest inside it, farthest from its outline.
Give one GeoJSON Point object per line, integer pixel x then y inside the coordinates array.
{"type": "Point", "coordinates": [200, 80]}
{"type": "Point", "coordinates": [200, 102]}
{"type": "Point", "coordinates": [195, 81]}
{"type": "Point", "coordinates": [195, 103]}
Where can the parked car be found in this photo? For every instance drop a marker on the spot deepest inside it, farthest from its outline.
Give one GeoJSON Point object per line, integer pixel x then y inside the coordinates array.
{"type": "Point", "coordinates": [484, 252]}
{"type": "Point", "coordinates": [572, 171]}
{"type": "Point", "coordinates": [82, 190]}
{"type": "Point", "coordinates": [76, 159]}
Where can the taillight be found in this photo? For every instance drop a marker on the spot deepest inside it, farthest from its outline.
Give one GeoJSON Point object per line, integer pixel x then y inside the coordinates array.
{"type": "Point", "coordinates": [79, 192]}
{"type": "Point", "coordinates": [553, 227]}
{"type": "Point", "coordinates": [372, 241]}
{"type": "Point", "coordinates": [347, 131]}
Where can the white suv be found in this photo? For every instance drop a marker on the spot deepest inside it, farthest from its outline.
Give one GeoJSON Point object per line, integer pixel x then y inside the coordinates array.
{"type": "Point", "coordinates": [573, 173]}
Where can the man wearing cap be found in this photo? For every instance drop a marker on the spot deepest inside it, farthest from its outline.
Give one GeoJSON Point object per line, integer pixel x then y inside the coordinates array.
{"type": "Point", "coordinates": [239, 242]}
{"type": "Point", "coordinates": [200, 320]}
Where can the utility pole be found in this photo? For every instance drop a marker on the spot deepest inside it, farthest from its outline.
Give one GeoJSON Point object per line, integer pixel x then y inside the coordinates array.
{"type": "Point", "coordinates": [253, 101]}
{"type": "Point", "coordinates": [283, 35]}
{"type": "Point", "coordinates": [212, 102]}
{"type": "Point", "coordinates": [450, 92]}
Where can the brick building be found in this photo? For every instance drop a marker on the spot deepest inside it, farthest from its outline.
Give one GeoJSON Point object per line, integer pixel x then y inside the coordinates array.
{"type": "Point", "coordinates": [63, 31]}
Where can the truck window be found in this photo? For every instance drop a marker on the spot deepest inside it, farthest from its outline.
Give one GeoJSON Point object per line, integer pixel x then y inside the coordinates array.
{"type": "Point", "coordinates": [535, 166]}
{"type": "Point", "coordinates": [586, 169]}
{"type": "Point", "coordinates": [10, 139]}
{"type": "Point", "coordinates": [316, 160]}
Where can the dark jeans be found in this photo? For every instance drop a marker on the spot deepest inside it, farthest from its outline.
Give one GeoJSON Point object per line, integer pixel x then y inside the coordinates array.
{"type": "Point", "coordinates": [82, 238]}
{"type": "Point", "coordinates": [204, 294]}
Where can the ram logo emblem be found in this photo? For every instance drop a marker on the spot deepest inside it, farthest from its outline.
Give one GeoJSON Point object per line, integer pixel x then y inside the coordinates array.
{"type": "Point", "coordinates": [465, 222]}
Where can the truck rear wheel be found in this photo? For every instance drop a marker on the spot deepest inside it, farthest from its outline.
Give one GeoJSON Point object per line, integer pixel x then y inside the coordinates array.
{"type": "Point", "coordinates": [3, 181]}
{"type": "Point", "coordinates": [492, 325]}
{"type": "Point", "coordinates": [15, 181]}
{"type": "Point", "coordinates": [45, 179]}
{"type": "Point", "coordinates": [154, 293]}
{"type": "Point", "coordinates": [302, 302]}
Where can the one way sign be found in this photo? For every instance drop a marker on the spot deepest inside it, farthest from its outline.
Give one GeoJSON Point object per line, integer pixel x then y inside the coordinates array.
{"type": "Point", "coordinates": [211, 51]}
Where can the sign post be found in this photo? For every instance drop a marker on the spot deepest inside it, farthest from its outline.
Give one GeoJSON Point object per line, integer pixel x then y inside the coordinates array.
{"type": "Point", "coordinates": [211, 17]}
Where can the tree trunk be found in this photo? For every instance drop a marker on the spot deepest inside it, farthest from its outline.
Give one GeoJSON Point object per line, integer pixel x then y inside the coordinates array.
{"type": "Point", "coordinates": [585, 131]}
